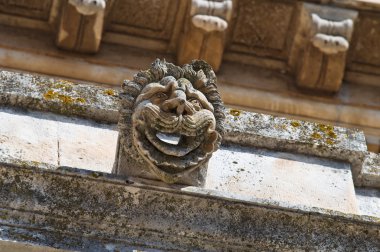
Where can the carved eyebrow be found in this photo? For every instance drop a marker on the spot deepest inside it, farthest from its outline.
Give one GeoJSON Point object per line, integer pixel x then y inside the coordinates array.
{"type": "Point", "coordinates": [193, 93]}
{"type": "Point", "coordinates": [149, 91]}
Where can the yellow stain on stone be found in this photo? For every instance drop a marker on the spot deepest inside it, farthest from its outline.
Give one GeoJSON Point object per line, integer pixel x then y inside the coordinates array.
{"type": "Point", "coordinates": [66, 99]}
{"type": "Point", "coordinates": [80, 100]}
{"type": "Point", "coordinates": [295, 124]}
{"type": "Point", "coordinates": [109, 92]}
{"type": "Point", "coordinates": [235, 112]}
{"type": "Point", "coordinates": [50, 94]}
{"type": "Point", "coordinates": [331, 134]}
{"type": "Point", "coordinates": [325, 128]}
{"type": "Point", "coordinates": [330, 141]}
{"type": "Point", "coordinates": [316, 135]}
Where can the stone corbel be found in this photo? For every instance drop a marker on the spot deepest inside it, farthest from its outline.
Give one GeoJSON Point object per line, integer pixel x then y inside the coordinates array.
{"type": "Point", "coordinates": [204, 34]}
{"type": "Point", "coordinates": [318, 56]}
{"type": "Point", "coordinates": [81, 25]}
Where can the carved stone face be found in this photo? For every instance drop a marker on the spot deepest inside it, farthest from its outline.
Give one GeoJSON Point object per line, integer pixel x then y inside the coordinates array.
{"type": "Point", "coordinates": [173, 125]}
{"type": "Point", "coordinates": [171, 120]}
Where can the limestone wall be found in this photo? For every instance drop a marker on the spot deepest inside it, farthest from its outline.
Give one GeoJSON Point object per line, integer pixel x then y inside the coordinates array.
{"type": "Point", "coordinates": [276, 184]}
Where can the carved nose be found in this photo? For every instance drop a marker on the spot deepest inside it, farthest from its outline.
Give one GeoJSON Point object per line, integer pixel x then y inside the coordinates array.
{"type": "Point", "coordinates": [174, 105]}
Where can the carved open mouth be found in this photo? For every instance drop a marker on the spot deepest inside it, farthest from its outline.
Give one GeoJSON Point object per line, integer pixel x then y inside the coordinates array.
{"type": "Point", "coordinates": [173, 144]}
{"type": "Point", "coordinates": [169, 138]}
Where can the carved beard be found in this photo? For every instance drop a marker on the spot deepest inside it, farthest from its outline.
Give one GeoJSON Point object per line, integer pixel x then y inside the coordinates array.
{"type": "Point", "coordinates": [196, 133]}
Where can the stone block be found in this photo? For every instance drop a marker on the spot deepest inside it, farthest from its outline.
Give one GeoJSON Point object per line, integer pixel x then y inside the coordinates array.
{"type": "Point", "coordinates": [262, 27]}
{"type": "Point", "coordinates": [319, 49]}
{"type": "Point", "coordinates": [368, 201]}
{"type": "Point", "coordinates": [28, 138]}
{"type": "Point", "coordinates": [283, 177]}
{"type": "Point", "coordinates": [35, 9]}
{"type": "Point", "coordinates": [83, 210]}
{"type": "Point", "coordinates": [330, 234]}
{"type": "Point", "coordinates": [370, 172]}
{"type": "Point", "coordinates": [204, 34]}
{"type": "Point", "coordinates": [58, 96]}
{"type": "Point", "coordinates": [281, 134]}
{"type": "Point", "coordinates": [81, 26]}
{"type": "Point", "coordinates": [86, 145]}
{"type": "Point", "coordinates": [367, 48]}
{"type": "Point", "coordinates": [127, 17]}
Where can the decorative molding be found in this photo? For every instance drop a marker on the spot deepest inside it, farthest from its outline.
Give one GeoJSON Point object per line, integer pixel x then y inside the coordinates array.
{"type": "Point", "coordinates": [34, 9]}
{"type": "Point", "coordinates": [204, 36]}
{"type": "Point", "coordinates": [81, 25]}
{"type": "Point", "coordinates": [318, 56]}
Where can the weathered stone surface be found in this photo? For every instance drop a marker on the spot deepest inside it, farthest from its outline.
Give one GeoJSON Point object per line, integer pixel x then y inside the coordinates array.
{"type": "Point", "coordinates": [244, 173]}
{"type": "Point", "coordinates": [81, 25]}
{"type": "Point", "coordinates": [368, 37]}
{"type": "Point", "coordinates": [278, 133]}
{"type": "Point", "coordinates": [6, 246]}
{"type": "Point", "coordinates": [83, 210]}
{"type": "Point", "coordinates": [205, 31]}
{"type": "Point", "coordinates": [86, 145]}
{"type": "Point", "coordinates": [318, 54]}
{"type": "Point", "coordinates": [257, 130]}
{"type": "Point", "coordinates": [58, 96]}
{"type": "Point", "coordinates": [282, 177]}
{"type": "Point", "coordinates": [368, 201]}
{"type": "Point", "coordinates": [171, 121]}
{"type": "Point", "coordinates": [90, 211]}
{"type": "Point", "coordinates": [331, 235]}
{"type": "Point", "coordinates": [262, 26]}
{"type": "Point", "coordinates": [50, 140]}
{"type": "Point", "coordinates": [127, 17]}
{"type": "Point", "coordinates": [370, 172]}
{"type": "Point", "coordinates": [28, 138]}
{"type": "Point", "coordinates": [88, 7]}
{"type": "Point", "coordinates": [37, 9]}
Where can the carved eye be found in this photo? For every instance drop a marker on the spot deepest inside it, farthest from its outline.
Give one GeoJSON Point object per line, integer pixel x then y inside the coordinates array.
{"type": "Point", "coordinates": [161, 96]}
{"type": "Point", "coordinates": [196, 104]}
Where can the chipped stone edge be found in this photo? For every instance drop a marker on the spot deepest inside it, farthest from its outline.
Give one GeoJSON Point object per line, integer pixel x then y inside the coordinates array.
{"type": "Point", "coordinates": [84, 210]}
{"type": "Point", "coordinates": [371, 170]}
{"type": "Point", "coordinates": [244, 128]}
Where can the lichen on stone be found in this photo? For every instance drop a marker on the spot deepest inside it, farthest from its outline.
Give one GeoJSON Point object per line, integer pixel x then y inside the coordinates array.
{"type": "Point", "coordinates": [295, 124]}
{"type": "Point", "coordinates": [235, 112]}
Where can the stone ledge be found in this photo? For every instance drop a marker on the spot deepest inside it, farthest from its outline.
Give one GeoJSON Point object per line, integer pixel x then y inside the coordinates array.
{"type": "Point", "coordinates": [260, 130]}
{"type": "Point", "coordinates": [251, 129]}
{"type": "Point", "coordinates": [58, 96]}
{"type": "Point", "coordinates": [87, 211]}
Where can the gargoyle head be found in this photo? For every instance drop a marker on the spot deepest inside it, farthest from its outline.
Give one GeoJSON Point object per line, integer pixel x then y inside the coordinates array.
{"type": "Point", "coordinates": [175, 115]}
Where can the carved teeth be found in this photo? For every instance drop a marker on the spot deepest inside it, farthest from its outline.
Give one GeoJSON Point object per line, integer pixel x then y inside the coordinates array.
{"type": "Point", "coordinates": [172, 139]}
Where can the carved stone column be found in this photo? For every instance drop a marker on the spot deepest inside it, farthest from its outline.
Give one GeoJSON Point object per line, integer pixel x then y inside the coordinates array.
{"type": "Point", "coordinates": [204, 34]}
{"type": "Point", "coordinates": [81, 25]}
{"type": "Point", "coordinates": [171, 121]}
{"type": "Point", "coordinates": [318, 56]}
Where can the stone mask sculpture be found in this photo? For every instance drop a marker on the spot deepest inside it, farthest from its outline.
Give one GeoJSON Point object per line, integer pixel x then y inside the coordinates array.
{"type": "Point", "coordinates": [171, 123]}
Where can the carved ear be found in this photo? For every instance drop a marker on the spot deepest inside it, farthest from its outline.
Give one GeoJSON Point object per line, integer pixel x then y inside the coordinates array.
{"type": "Point", "coordinates": [201, 80]}
{"type": "Point", "coordinates": [209, 145]}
